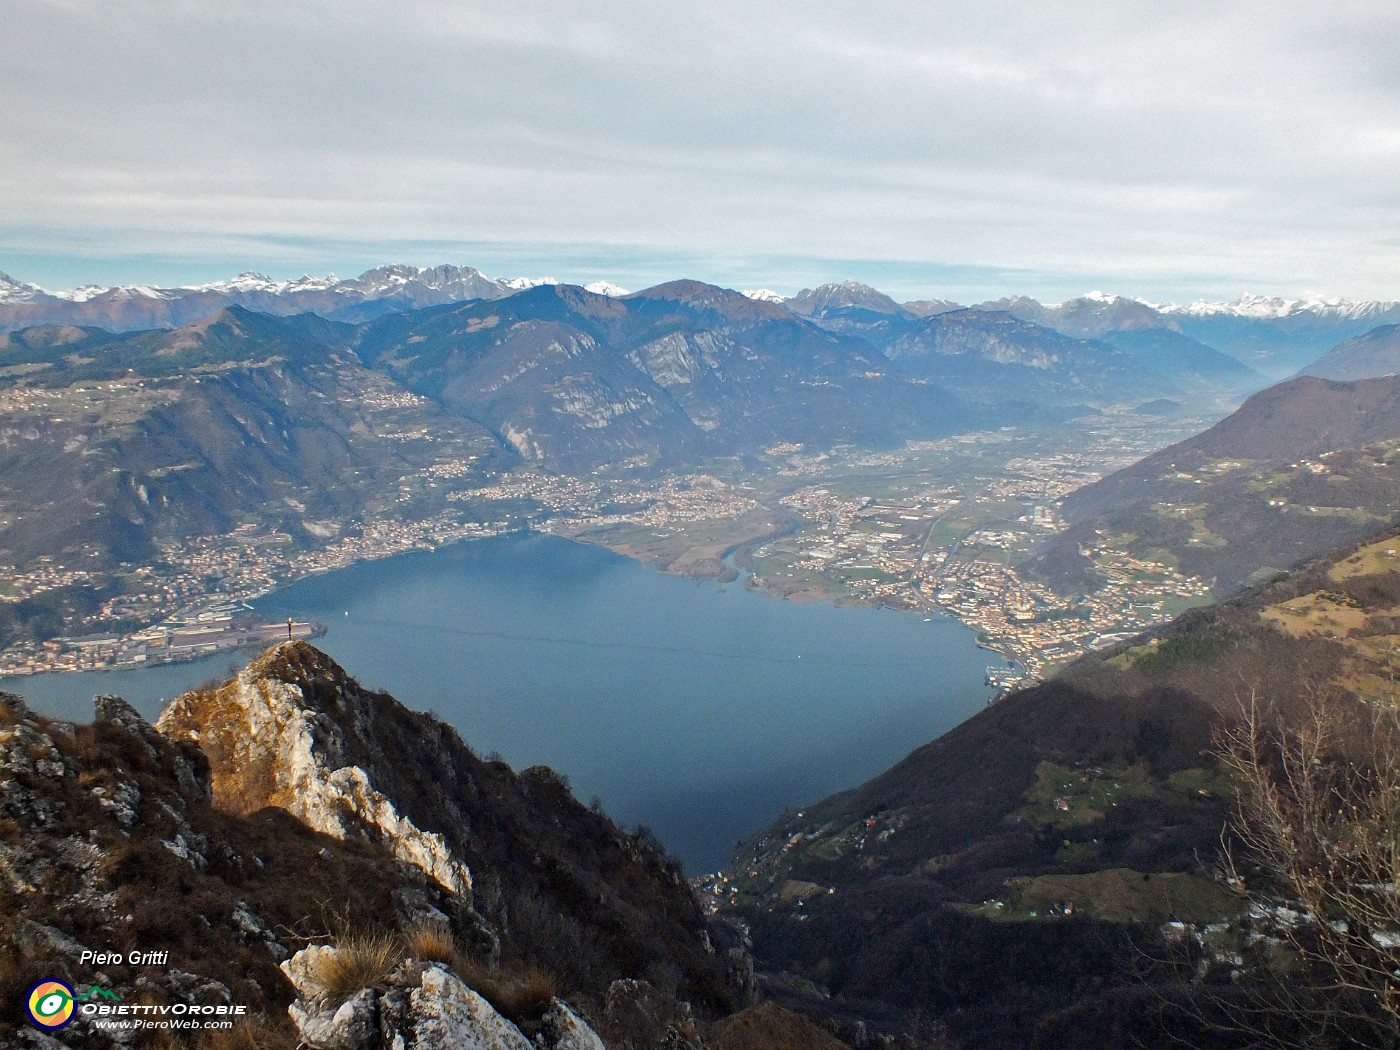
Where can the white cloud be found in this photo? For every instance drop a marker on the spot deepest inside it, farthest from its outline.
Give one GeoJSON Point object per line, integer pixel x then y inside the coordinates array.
{"type": "Point", "coordinates": [1225, 145]}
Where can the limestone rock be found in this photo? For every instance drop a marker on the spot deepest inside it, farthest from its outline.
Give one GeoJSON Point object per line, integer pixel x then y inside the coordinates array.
{"type": "Point", "coordinates": [565, 1030]}
{"type": "Point", "coordinates": [447, 1015]}
{"type": "Point", "coordinates": [352, 1025]}
{"type": "Point", "coordinates": [304, 969]}
{"type": "Point", "coordinates": [416, 1008]}
{"type": "Point", "coordinates": [34, 938]}
{"type": "Point", "coordinates": [282, 748]}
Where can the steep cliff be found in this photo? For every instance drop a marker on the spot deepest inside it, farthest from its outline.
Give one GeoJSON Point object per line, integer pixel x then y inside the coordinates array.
{"type": "Point", "coordinates": [526, 867]}
{"type": "Point", "coordinates": [290, 814]}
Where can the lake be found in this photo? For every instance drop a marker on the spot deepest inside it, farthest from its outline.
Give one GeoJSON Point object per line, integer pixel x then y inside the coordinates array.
{"type": "Point", "coordinates": [700, 709]}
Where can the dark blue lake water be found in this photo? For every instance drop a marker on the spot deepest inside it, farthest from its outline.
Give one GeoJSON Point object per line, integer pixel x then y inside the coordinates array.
{"type": "Point", "coordinates": [700, 709]}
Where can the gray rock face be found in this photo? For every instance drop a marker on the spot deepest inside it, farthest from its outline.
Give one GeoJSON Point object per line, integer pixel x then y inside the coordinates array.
{"type": "Point", "coordinates": [565, 1030]}
{"type": "Point", "coordinates": [33, 937]}
{"type": "Point", "coordinates": [445, 1014]}
{"type": "Point", "coordinates": [351, 1025]}
{"type": "Point", "coordinates": [416, 1009]}
{"type": "Point", "coordinates": [117, 711]}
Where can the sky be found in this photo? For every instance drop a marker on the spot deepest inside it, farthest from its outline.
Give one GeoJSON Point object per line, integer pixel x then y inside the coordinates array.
{"type": "Point", "coordinates": [933, 149]}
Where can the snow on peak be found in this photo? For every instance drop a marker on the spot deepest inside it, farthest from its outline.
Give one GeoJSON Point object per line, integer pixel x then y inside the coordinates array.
{"type": "Point", "coordinates": [1108, 298]}
{"type": "Point", "coordinates": [83, 293]}
{"type": "Point", "coordinates": [250, 282]}
{"type": "Point", "coordinates": [13, 291]}
{"type": "Point", "coordinates": [520, 284]}
{"type": "Point", "coordinates": [605, 288]}
{"type": "Point", "coordinates": [764, 295]}
{"type": "Point", "coordinates": [1270, 307]}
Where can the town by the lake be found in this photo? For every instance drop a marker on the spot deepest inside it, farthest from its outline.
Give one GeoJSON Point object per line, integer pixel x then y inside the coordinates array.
{"type": "Point", "coordinates": [935, 527]}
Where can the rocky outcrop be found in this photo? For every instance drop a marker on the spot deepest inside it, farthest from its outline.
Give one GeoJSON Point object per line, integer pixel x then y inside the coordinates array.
{"type": "Point", "coordinates": [517, 864]}
{"type": "Point", "coordinates": [290, 804]}
{"type": "Point", "coordinates": [417, 1006]}
{"type": "Point", "coordinates": [276, 745]}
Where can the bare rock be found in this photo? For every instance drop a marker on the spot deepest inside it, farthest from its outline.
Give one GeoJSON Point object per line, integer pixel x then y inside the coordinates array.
{"type": "Point", "coordinates": [565, 1030]}
{"type": "Point", "coordinates": [34, 938]}
{"type": "Point", "coordinates": [304, 969]}
{"type": "Point", "coordinates": [12, 707]}
{"type": "Point", "coordinates": [353, 1025]}
{"type": "Point", "coordinates": [447, 1015]}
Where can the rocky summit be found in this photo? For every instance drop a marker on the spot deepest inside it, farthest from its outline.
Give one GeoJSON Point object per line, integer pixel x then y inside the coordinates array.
{"type": "Point", "coordinates": [295, 851]}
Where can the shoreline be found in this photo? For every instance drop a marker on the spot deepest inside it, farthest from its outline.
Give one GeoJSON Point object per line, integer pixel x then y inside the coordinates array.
{"type": "Point", "coordinates": [726, 559]}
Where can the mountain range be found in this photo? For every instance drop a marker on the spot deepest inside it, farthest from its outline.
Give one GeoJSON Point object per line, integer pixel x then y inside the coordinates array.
{"type": "Point", "coordinates": [130, 440]}
{"type": "Point", "coordinates": [118, 442]}
{"type": "Point", "coordinates": [668, 375]}
{"type": "Point", "coordinates": [1373, 353]}
{"type": "Point", "coordinates": [1299, 469]}
{"type": "Point", "coordinates": [115, 444]}
{"type": "Point", "coordinates": [375, 292]}
{"type": "Point", "coordinates": [1273, 335]}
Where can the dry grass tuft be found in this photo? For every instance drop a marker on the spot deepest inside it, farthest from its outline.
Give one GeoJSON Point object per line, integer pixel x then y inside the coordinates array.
{"type": "Point", "coordinates": [363, 958]}
{"type": "Point", "coordinates": [431, 942]}
{"type": "Point", "coordinates": [521, 992]}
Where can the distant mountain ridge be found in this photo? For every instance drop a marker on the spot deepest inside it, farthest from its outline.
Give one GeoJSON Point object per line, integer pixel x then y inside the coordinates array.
{"type": "Point", "coordinates": [1277, 336]}
{"type": "Point", "coordinates": [576, 380]}
{"type": "Point", "coordinates": [118, 443]}
{"type": "Point", "coordinates": [1371, 354]}
{"type": "Point", "coordinates": [381, 290]}
{"type": "Point", "coordinates": [1299, 469]}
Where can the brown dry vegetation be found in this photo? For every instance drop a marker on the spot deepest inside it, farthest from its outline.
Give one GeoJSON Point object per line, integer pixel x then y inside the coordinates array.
{"type": "Point", "coordinates": [431, 942]}
{"type": "Point", "coordinates": [363, 959]}
{"type": "Point", "coordinates": [771, 1027]}
{"type": "Point", "coordinates": [522, 991]}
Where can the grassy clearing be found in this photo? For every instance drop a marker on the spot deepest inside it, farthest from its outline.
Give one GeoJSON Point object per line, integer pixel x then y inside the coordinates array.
{"type": "Point", "coordinates": [1116, 895]}
{"type": "Point", "coordinates": [1201, 782]}
{"type": "Point", "coordinates": [1318, 614]}
{"type": "Point", "coordinates": [1380, 557]}
{"type": "Point", "coordinates": [1063, 797]}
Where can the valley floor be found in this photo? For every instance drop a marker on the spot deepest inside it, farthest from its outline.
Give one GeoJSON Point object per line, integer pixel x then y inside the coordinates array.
{"type": "Point", "coordinates": [937, 526]}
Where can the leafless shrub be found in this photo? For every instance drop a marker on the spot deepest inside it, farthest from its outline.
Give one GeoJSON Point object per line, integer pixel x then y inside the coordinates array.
{"type": "Point", "coordinates": [1318, 833]}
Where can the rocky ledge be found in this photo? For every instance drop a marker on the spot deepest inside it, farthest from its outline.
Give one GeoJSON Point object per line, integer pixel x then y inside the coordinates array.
{"type": "Point", "coordinates": [265, 830]}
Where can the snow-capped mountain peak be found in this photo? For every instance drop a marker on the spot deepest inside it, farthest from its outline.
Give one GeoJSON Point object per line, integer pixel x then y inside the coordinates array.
{"type": "Point", "coordinates": [13, 291]}
{"type": "Point", "coordinates": [521, 284]}
{"type": "Point", "coordinates": [765, 295]}
{"type": "Point", "coordinates": [251, 282]}
{"type": "Point", "coordinates": [1270, 307]}
{"type": "Point", "coordinates": [848, 294]}
{"type": "Point", "coordinates": [607, 288]}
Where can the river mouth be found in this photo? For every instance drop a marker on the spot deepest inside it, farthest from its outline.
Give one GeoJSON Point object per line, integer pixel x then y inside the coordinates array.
{"type": "Point", "coordinates": [695, 707]}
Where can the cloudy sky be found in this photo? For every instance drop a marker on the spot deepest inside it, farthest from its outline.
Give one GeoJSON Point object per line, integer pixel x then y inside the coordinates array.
{"type": "Point", "coordinates": [1170, 150]}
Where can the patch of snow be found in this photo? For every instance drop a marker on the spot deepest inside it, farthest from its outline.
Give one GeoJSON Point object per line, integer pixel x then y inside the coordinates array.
{"type": "Point", "coordinates": [1266, 307]}
{"type": "Point", "coordinates": [605, 288]}
{"type": "Point", "coordinates": [520, 284]}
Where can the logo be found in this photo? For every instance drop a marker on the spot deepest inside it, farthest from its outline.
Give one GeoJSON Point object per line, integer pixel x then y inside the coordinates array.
{"type": "Point", "coordinates": [50, 1004]}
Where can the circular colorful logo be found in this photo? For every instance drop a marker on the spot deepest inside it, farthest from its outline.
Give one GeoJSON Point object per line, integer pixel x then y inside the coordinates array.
{"type": "Point", "coordinates": [50, 1004]}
